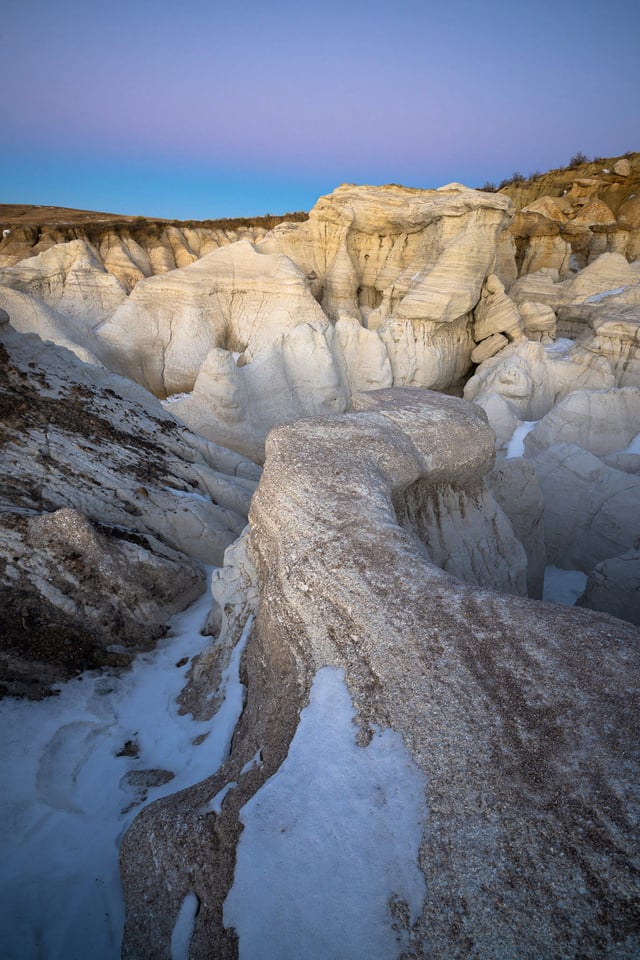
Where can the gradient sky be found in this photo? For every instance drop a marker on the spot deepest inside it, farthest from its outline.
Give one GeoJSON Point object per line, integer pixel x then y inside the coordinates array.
{"type": "Point", "coordinates": [207, 109]}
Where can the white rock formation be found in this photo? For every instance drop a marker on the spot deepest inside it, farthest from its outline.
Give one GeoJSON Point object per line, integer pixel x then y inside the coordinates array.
{"type": "Point", "coordinates": [592, 511]}
{"type": "Point", "coordinates": [70, 278]}
{"type": "Point", "coordinates": [525, 380]}
{"type": "Point", "coordinates": [234, 299]}
{"type": "Point", "coordinates": [600, 421]}
{"type": "Point", "coordinates": [397, 272]}
{"type": "Point", "coordinates": [521, 718]}
{"type": "Point", "coordinates": [614, 587]}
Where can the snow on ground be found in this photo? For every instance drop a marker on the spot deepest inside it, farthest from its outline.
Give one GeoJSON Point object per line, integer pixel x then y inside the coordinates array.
{"type": "Point", "coordinates": [328, 854]}
{"type": "Point", "coordinates": [597, 297]}
{"type": "Point", "coordinates": [634, 446]}
{"type": "Point", "coordinates": [563, 586]}
{"type": "Point", "coordinates": [70, 788]}
{"type": "Point", "coordinates": [172, 398]}
{"type": "Point", "coordinates": [561, 345]}
{"type": "Point", "coordinates": [515, 447]}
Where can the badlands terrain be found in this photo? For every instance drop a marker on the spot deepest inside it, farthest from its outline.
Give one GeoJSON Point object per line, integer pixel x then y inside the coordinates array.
{"type": "Point", "coordinates": [284, 508]}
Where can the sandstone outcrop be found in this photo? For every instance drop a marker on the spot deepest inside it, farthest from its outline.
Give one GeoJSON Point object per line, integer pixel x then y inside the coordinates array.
{"type": "Point", "coordinates": [70, 278]}
{"type": "Point", "coordinates": [76, 595]}
{"type": "Point", "coordinates": [515, 487]}
{"type": "Point", "coordinates": [614, 586]}
{"type": "Point", "coordinates": [566, 218]}
{"type": "Point", "coordinates": [378, 287]}
{"type": "Point", "coordinates": [235, 299]}
{"type": "Point", "coordinates": [600, 421]}
{"type": "Point", "coordinates": [525, 380]}
{"type": "Point", "coordinates": [521, 716]}
{"type": "Point", "coordinates": [100, 486]}
{"type": "Point", "coordinates": [592, 511]}
{"type": "Point", "coordinates": [129, 247]}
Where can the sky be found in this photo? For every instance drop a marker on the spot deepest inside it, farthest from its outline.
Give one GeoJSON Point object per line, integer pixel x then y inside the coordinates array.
{"type": "Point", "coordinates": [204, 109]}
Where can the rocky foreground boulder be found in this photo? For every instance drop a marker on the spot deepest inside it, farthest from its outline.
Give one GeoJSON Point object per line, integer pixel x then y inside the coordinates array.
{"type": "Point", "coordinates": [108, 509]}
{"type": "Point", "coordinates": [519, 718]}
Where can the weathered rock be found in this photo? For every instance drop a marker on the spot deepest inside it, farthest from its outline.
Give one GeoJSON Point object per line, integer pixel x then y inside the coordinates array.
{"type": "Point", "coordinates": [592, 511]}
{"type": "Point", "coordinates": [31, 315]}
{"type": "Point", "coordinates": [74, 595]}
{"type": "Point", "coordinates": [614, 587]}
{"type": "Point", "coordinates": [516, 489]}
{"type": "Point", "coordinates": [235, 299]}
{"type": "Point", "coordinates": [538, 321]}
{"type": "Point", "coordinates": [489, 347]}
{"type": "Point", "coordinates": [496, 313]}
{"type": "Point", "coordinates": [622, 167]}
{"type": "Point", "coordinates": [74, 436]}
{"type": "Point", "coordinates": [600, 421]}
{"type": "Point", "coordinates": [524, 381]}
{"type": "Point", "coordinates": [70, 278]}
{"type": "Point", "coordinates": [398, 273]}
{"type": "Point", "coordinates": [522, 717]}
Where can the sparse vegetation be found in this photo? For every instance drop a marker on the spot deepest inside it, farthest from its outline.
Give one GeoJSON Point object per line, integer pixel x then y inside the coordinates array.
{"type": "Point", "coordinates": [489, 187]}
{"type": "Point", "coordinates": [516, 177]}
{"type": "Point", "coordinates": [577, 159]}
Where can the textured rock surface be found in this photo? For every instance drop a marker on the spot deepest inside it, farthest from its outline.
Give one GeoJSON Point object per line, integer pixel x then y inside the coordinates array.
{"type": "Point", "coordinates": [76, 595]}
{"type": "Point", "coordinates": [600, 421]}
{"type": "Point", "coordinates": [234, 299]}
{"type": "Point", "coordinates": [579, 210]}
{"type": "Point", "coordinates": [524, 381]}
{"type": "Point", "coordinates": [516, 489]}
{"type": "Point", "coordinates": [614, 586]}
{"type": "Point", "coordinates": [377, 288]}
{"type": "Point", "coordinates": [145, 496]}
{"type": "Point", "coordinates": [129, 247]}
{"type": "Point", "coordinates": [592, 511]}
{"type": "Point", "coordinates": [70, 278]}
{"type": "Point", "coordinates": [522, 716]}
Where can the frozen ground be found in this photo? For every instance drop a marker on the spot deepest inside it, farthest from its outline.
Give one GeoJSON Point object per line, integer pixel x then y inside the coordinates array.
{"type": "Point", "coordinates": [326, 865]}
{"type": "Point", "coordinates": [563, 586]}
{"type": "Point", "coordinates": [75, 769]}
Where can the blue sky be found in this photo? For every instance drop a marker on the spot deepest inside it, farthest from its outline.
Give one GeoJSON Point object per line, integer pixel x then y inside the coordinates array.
{"type": "Point", "coordinates": [210, 109]}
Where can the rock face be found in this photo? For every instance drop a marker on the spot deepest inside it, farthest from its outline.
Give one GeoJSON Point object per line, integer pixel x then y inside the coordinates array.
{"type": "Point", "coordinates": [106, 502]}
{"type": "Point", "coordinates": [614, 586]}
{"type": "Point", "coordinates": [377, 288]}
{"type": "Point", "coordinates": [521, 716]}
{"type": "Point", "coordinates": [130, 248]}
{"type": "Point", "coordinates": [234, 299]}
{"type": "Point", "coordinates": [576, 214]}
{"type": "Point", "coordinates": [71, 279]}
{"type": "Point", "coordinates": [75, 595]}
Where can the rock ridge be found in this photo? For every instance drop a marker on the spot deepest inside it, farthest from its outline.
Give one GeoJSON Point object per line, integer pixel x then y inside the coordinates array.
{"type": "Point", "coordinates": [522, 716]}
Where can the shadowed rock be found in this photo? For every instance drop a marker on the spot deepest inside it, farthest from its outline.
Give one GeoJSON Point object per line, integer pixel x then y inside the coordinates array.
{"type": "Point", "coordinates": [523, 716]}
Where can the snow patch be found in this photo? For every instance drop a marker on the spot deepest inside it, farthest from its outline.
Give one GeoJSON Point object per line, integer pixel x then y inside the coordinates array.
{"type": "Point", "coordinates": [76, 768]}
{"type": "Point", "coordinates": [174, 398]}
{"type": "Point", "coordinates": [515, 446]}
{"type": "Point", "coordinates": [634, 446]}
{"type": "Point", "coordinates": [563, 586]}
{"type": "Point", "coordinates": [183, 929]}
{"type": "Point", "coordinates": [597, 297]}
{"type": "Point", "coordinates": [188, 494]}
{"type": "Point", "coordinates": [562, 345]}
{"type": "Point", "coordinates": [328, 856]}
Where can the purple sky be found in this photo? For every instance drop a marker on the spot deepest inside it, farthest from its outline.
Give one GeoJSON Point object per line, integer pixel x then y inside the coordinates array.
{"type": "Point", "coordinates": [199, 109]}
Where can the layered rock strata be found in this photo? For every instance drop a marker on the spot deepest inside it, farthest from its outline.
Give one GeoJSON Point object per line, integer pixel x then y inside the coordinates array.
{"type": "Point", "coordinates": [522, 716]}
{"type": "Point", "coordinates": [106, 501]}
{"type": "Point", "coordinates": [377, 288]}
